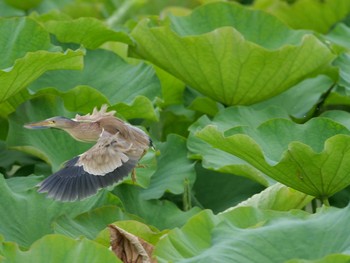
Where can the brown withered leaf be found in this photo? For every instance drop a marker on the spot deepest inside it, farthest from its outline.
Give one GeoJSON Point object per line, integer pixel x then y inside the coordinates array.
{"type": "Point", "coordinates": [130, 248]}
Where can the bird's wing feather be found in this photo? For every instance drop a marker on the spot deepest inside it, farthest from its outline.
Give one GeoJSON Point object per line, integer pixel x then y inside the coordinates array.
{"type": "Point", "coordinates": [73, 183]}
{"type": "Point", "coordinates": [109, 153]}
{"type": "Point", "coordinates": [96, 114]}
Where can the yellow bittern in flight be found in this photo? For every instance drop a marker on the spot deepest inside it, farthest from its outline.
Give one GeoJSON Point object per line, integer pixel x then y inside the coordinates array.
{"type": "Point", "coordinates": [118, 149]}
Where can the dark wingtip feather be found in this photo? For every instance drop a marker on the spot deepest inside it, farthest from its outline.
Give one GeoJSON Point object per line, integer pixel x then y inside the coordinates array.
{"type": "Point", "coordinates": [150, 142]}
{"type": "Point", "coordinates": [73, 183]}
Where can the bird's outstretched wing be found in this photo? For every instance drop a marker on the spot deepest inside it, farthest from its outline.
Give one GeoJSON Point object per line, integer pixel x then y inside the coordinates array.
{"type": "Point", "coordinates": [104, 164]}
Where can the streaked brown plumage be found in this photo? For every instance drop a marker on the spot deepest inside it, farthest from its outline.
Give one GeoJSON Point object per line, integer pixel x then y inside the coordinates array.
{"type": "Point", "coordinates": [118, 149]}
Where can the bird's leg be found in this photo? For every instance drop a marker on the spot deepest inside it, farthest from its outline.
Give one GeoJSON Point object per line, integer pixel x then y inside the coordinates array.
{"type": "Point", "coordinates": [133, 172]}
{"type": "Point", "coordinates": [133, 175]}
{"type": "Point", "coordinates": [139, 165]}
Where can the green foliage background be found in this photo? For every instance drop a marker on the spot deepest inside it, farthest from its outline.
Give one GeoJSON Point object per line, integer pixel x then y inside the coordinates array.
{"type": "Point", "coordinates": [247, 103]}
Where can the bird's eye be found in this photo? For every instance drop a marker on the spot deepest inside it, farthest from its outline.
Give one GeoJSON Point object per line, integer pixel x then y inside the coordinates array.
{"type": "Point", "coordinates": [52, 122]}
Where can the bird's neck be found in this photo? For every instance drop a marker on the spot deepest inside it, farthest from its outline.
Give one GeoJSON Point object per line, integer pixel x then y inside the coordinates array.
{"type": "Point", "coordinates": [85, 131]}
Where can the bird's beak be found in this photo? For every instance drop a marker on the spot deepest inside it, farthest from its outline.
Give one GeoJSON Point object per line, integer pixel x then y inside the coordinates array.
{"type": "Point", "coordinates": [39, 125]}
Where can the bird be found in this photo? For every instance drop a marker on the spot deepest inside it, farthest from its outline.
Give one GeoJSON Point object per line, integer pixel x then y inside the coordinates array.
{"type": "Point", "coordinates": [118, 149]}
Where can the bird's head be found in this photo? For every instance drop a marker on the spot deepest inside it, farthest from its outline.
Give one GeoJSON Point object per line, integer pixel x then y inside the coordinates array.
{"type": "Point", "coordinates": [54, 122]}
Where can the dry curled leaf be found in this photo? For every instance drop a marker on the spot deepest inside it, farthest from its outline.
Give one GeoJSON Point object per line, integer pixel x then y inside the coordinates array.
{"type": "Point", "coordinates": [130, 248]}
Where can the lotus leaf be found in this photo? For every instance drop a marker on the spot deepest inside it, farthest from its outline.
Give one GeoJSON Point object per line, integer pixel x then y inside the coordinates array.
{"type": "Point", "coordinates": [291, 153]}
{"type": "Point", "coordinates": [227, 59]}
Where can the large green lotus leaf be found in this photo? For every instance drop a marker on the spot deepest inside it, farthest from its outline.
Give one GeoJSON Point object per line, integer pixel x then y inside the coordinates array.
{"type": "Point", "coordinates": [214, 158]}
{"type": "Point", "coordinates": [16, 184]}
{"type": "Point", "coordinates": [205, 105]}
{"type": "Point", "coordinates": [10, 158]}
{"type": "Point", "coordinates": [58, 249]}
{"type": "Point", "coordinates": [9, 11]}
{"type": "Point", "coordinates": [24, 5]}
{"type": "Point", "coordinates": [162, 214]}
{"type": "Point", "coordinates": [109, 74]}
{"type": "Point", "coordinates": [338, 99]}
{"type": "Point", "coordinates": [68, 8]}
{"type": "Point", "coordinates": [220, 191]}
{"type": "Point", "coordinates": [25, 58]}
{"type": "Point", "coordinates": [79, 99]}
{"type": "Point", "coordinates": [251, 235]}
{"type": "Point", "coordinates": [174, 119]}
{"type": "Point", "coordinates": [84, 98]}
{"type": "Point", "coordinates": [342, 117]}
{"type": "Point", "coordinates": [276, 197]}
{"type": "Point", "coordinates": [32, 66]}
{"type": "Point", "coordinates": [339, 95]}
{"type": "Point", "coordinates": [201, 104]}
{"type": "Point", "coordinates": [343, 63]}
{"type": "Point", "coordinates": [10, 105]}
{"type": "Point", "coordinates": [140, 108]}
{"type": "Point", "coordinates": [301, 100]}
{"type": "Point", "coordinates": [333, 258]}
{"type": "Point", "coordinates": [54, 146]}
{"type": "Point", "coordinates": [26, 215]}
{"type": "Point", "coordinates": [172, 88]}
{"type": "Point", "coordinates": [91, 223]}
{"type": "Point", "coordinates": [173, 169]}
{"type": "Point", "coordinates": [225, 59]}
{"type": "Point", "coordinates": [309, 14]}
{"type": "Point", "coordinates": [17, 39]}
{"type": "Point", "coordinates": [291, 153]}
{"type": "Point", "coordinates": [47, 7]}
{"type": "Point", "coordinates": [339, 35]}
{"type": "Point", "coordinates": [127, 10]}
{"type": "Point", "coordinates": [88, 31]}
